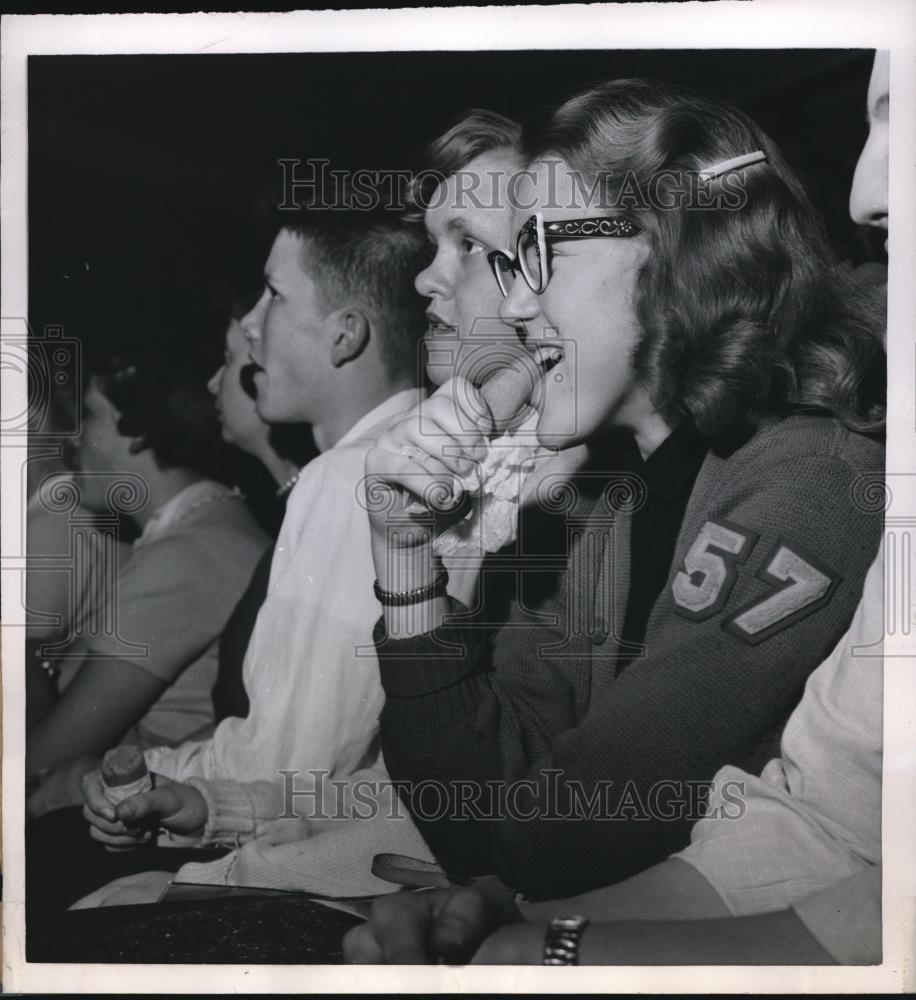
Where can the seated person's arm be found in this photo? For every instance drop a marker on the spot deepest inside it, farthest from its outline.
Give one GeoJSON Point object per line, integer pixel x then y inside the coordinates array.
{"type": "Point", "coordinates": [764, 939]}
{"type": "Point", "coordinates": [671, 890]}
{"type": "Point", "coordinates": [51, 594]}
{"type": "Point", "coordinates": [481, 923]}
{"type": "Point", "coordinates": [105, 698]}
{"type": "Point", "coordinates": [464, 718]}
{"type": "Point", "coordinates": [173, 600]}
{"type": "Point", "coordinates": [454, 923]}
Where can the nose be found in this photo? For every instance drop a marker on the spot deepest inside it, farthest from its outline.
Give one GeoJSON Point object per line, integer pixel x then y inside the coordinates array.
{"type": "Point", "coordinates": [868, 197]}
{"type": "Point", "coordinates": [215, 380]}
{"type": "Point", "coordinates": [520, 306]}
{"type": "Point", "coordinates": [432, 280]}
{"type": "Point", "coordinates": [251, 323]}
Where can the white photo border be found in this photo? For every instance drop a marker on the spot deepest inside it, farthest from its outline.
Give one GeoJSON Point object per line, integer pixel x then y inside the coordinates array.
{"type": "Point", "coordinates": [758, 24]}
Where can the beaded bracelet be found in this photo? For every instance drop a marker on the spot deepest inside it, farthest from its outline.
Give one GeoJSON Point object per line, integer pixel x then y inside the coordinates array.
{"type": "Point", "coordinates": [415, 596]}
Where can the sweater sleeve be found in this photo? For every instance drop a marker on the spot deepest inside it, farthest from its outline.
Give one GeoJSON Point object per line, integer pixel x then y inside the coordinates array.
{"type": "Point", "coordinates": [295, 807]}
{"type": "Point", "coordinates": [360, 816]}
{"type": "Point", "coordinates": [503, 779]}
{"type": "Point", "coordinates": [238, 811]}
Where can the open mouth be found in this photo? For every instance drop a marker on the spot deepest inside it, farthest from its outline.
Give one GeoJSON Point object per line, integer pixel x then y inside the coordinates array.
{"type": "Point", "coordinates": [547, 357]}
{"type": "Point", "coordinates": [437, 327]}
{"type": "Point", "coordinates": [440, 329]}
{"type": "Point", "coordinates": [247, 377]}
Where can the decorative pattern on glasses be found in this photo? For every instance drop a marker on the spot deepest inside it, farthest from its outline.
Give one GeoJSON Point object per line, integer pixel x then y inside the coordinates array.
{"type": "Point", "coordinates": [531, 255]}
{"type": "Point", "coordinates": [590, 228]}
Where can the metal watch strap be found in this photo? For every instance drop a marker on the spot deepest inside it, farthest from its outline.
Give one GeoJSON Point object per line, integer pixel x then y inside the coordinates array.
{"type": "Point", "coordinates": [561, 943]}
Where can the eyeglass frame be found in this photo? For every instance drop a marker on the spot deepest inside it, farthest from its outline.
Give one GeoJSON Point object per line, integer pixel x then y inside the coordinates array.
{"type": "Point", "coordinates": [598, 227]}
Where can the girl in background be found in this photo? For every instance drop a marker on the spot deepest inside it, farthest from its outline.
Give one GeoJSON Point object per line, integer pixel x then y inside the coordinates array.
{"type": "Point", "coordinates": [143, 659]}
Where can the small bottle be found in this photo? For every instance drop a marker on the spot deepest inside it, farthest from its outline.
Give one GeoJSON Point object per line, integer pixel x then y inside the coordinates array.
{"type": "Point", "coordinates": [124, 773]}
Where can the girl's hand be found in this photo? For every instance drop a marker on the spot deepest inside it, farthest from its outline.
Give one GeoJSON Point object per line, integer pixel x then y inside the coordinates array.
{"type": "Point", "coordinates": [170, 805]}
{"type": "Point", "coordinates": [417, 470]}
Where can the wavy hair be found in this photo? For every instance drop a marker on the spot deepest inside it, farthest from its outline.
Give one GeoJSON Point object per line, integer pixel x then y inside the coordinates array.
{"type": "Point", "coordinates": [152, 362]}
{"type": "Point", "coordinates": [471, 134]}
{"type": "Point", "coordinates": [744, 311]}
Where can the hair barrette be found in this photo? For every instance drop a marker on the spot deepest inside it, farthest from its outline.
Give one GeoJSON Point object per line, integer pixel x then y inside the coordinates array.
{"type": "Point", "coordinates": [735, 163]}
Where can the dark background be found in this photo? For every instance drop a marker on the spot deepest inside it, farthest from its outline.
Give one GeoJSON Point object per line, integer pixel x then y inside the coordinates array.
{"type": "Point", "coordinates": [147, 168]}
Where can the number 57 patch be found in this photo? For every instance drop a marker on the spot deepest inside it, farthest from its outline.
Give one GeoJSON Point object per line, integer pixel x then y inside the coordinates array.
{"type": "Point", "coordinates": [702, 587]}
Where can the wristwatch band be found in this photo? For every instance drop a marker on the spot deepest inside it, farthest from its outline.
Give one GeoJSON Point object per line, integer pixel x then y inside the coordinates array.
{"type": "Point", "coordinates": [561, 943]}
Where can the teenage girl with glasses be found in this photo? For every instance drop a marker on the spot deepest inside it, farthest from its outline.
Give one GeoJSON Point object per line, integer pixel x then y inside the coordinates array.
{"type": "Point", "coordinates": [676, 293]}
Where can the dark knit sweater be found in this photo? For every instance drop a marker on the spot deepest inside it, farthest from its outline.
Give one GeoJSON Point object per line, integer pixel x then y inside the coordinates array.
{"type": "Point", "coordinates": [526, 693]}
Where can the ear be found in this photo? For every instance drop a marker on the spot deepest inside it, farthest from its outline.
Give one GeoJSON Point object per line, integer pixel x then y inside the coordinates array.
{"type": "Point", "coordinates": [137, 445]}
{"type": "Point", "coordinates": [350, 329]}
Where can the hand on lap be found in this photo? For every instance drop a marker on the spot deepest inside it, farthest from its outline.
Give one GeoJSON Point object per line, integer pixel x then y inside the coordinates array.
{"type": "Point", "coordinates": [170, 805]}
{"type": "Point", "coordinates": [429, 927]}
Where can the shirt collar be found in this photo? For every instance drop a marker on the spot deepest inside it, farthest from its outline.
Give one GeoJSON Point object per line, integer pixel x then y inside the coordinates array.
{"type": "Point", "coordinates": [674, 463]}
{"type": "Point", "coordinates": [195, 495]}
{"type": "Point", "coordinates": [398, 403]}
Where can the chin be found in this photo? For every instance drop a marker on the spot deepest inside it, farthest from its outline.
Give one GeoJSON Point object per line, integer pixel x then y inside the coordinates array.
{"type": "Point", "coordinates": [281, 415]}
{"type": "Point", "coordinates": [557, 441]}
{"type": "Point", "coordinates": [438, 374]}
{"type": "Point", "coordinates": [267, 412]}
{"type": "Point", "coordinates": [557, 433]}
